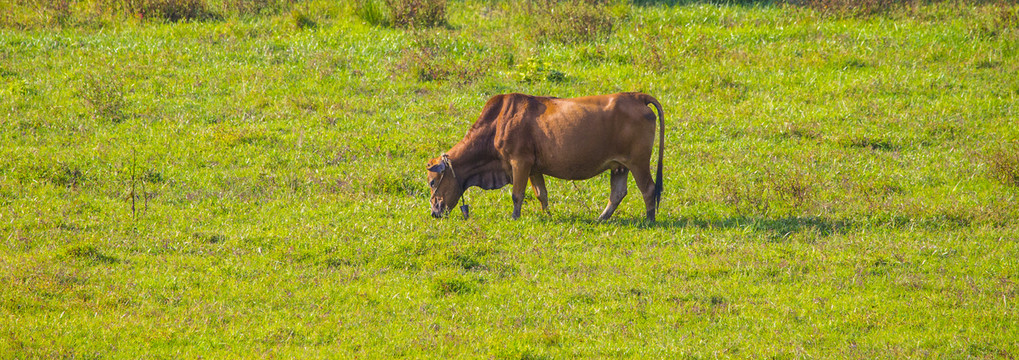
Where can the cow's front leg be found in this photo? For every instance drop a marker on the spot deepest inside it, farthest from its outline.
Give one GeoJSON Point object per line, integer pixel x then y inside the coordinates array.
{"type": "Point", "coordinates": [538, 185]}
{"type": "Point", "coordinates": [521, 171]}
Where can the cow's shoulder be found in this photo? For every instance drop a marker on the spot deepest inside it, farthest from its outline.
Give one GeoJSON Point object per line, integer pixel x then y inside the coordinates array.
{"type": "Point", "coordinates": [492, 110]}
{"type": "Point", "coordinates": [518, 98]}
{"type": "Point", "coordinates": [505, 107]}
{"type": "Point", "coordinates": [502, 99]}
{"type": "Point", "coordinates": [499, 112]}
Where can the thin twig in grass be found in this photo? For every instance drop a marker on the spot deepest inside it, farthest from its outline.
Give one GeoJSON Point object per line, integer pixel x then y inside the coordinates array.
{"type": "Point", "coordinates": [145, 195]}
{"type": "Point", "coordinates": [134, 157]}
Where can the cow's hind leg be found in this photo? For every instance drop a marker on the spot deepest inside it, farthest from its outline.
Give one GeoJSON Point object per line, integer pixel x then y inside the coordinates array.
{"type": "Point", "coordinates": [538, 184]}
{"type": "Point", "coordinates": [646, 184]}
{"type": "Point", "coordinates": [617, 179]}
{"type": "Point", "coordinates": [521, 171]}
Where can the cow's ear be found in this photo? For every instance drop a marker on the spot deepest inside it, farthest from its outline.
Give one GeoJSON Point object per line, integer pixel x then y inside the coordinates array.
{"type": "Point", "coordinates": [440, 167]}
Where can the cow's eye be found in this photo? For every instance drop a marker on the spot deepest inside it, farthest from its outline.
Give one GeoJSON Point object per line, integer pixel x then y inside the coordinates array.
{"type": "Point", "coordinates": [431, 183]}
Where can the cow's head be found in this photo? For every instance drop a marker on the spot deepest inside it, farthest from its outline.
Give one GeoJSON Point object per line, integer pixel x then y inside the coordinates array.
{"type": "Point", "coordinates": [445, 187]}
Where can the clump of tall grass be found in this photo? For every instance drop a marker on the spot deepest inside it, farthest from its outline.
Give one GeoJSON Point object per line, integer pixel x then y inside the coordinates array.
{"type": "Point", "coordinates": [1006, 11]}
{"type": "Point", "coordinates": [573, 21]}
{"type": "Point", "coordinates": [372, 12]}
{"type": "Point", "coordinates": [1007, 17]}
{"type": "Point", "coordinates": [196, 10]}
{"type": "Point", "coordinates": [1004, 18]}
{"type": "Point", "coordinates": [1003, 164]}
{"type": "Point", "coordinates": [746, 196]}
{"type": "Point", "coordinates": [417, 13]}
{"type": "Point", "coordinates": [453, 285]}
{"type": "Point", "coordinates": [35, 13]}
{"type": "Point", "coordinates": [169, 10]}
{"type": "Point", "coordinates": [252, 7]}
{"type": "Point", "coordinates": [103, 96]}
{"type": "Point", "coordinates": [301, 20]}
{"type": "Point", "coordinates": [851, 8]}
{"type": "Point", "coordinates": [427, 63]}
{"type": "Point", "coordinates": [432, 58]}
{"type": "Point", "coordinates": [870, 142]}
{"type": "Point", "coordinates": [60, 13]}
{"type": "Point", "coordinates": [795, 187]}
{"type": "Point", "coordinates": [89, 254]}
{"type": "Point", "coordinates": [65, 175]}
{"type": "Point", "coordinates": [790, 189]}
{"type": "Point", "coordinates": [402, 13]}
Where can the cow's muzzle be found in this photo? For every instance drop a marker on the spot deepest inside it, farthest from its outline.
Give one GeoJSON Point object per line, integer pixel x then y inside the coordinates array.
{"type": "Point", "coordinates": [438, 210]}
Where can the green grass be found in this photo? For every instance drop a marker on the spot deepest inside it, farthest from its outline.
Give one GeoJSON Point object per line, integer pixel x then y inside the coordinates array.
{"type": "Point", "coordinates": [838, 184]}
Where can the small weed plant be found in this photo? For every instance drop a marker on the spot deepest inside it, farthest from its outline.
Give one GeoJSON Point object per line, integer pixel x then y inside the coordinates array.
{"type": "Point", "coordinates": [417, 13]}
{"type": "Point", "coordinates": [169, 10]}
{"type": "Point", "coordinates": [372, 12]}
{"type": "Point", "coordinates": [1003, 164]}
{"type": "Point", "coordinates": [536, 70]}
{"type": "Point", "coordinates": [103, 96]}
{"type": "Point", "coordinates": [301, 20]}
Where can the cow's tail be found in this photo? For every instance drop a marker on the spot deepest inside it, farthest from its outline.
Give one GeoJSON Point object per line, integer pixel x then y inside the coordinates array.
{"type": "Point", "coordinates": [650, 100]}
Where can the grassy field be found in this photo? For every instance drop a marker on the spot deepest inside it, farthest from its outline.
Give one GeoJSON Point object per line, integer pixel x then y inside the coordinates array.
{"type": "Point", "coordinates": [840, 181]}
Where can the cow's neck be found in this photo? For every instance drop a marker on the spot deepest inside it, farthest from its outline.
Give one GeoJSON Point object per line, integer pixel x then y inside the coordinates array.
{"type": "Point", "coordinates": [476, 162]}
{"type": "Point", "coordinates": [469, 159]}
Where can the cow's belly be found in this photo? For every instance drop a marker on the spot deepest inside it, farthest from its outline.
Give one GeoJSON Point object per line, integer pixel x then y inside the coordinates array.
{"type": "Point", "coordinates": [568, 168]}
{"type": "Point", "coordinates": [581, 156]}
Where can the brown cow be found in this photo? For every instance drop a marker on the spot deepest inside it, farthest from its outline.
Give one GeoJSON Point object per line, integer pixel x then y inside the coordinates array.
{"type": "Point", "coordinates": [520, 137]}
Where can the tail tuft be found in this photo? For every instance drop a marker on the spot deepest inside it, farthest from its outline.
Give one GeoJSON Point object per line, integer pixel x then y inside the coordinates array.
{"type": "Point", "coordinates": [658, 185]}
